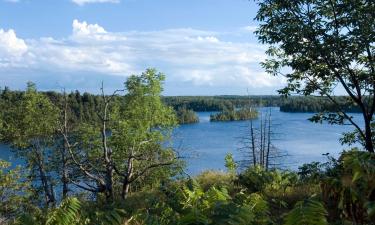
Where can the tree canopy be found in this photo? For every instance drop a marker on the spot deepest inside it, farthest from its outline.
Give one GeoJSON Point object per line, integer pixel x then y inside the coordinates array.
{"type": "Point", "coordinates": [321, 46]}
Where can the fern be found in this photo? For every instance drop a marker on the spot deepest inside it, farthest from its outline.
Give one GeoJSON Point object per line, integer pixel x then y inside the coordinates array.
{"type": "Point", "coordinates": [307, 212]}
{"type": "Point", "coordinates": [65, 214]}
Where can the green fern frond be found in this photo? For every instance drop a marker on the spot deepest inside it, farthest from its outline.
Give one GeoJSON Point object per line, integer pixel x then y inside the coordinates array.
{"type": "Point", "coordinates": [66, 213]}
{"type": "Point", "coordinates": [307, 212]}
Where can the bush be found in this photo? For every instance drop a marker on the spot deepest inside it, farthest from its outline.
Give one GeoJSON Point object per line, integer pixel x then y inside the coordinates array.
{"type": "Point", "coordinates": [211, 178]}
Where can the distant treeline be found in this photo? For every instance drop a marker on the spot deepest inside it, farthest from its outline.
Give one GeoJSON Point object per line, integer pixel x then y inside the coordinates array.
{"type": "Point", "coordinates": [290, 104]}
{"type": "Point", "coordinates": [83, 105]}
{"type": "Point", "coordinates": [221, 103]}
{"type": "Point", "coordinates": [317, 104]}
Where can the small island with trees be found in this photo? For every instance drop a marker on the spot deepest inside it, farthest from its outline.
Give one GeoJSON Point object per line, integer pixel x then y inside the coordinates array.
{"type": "Point", "coordinates": [234, 115]}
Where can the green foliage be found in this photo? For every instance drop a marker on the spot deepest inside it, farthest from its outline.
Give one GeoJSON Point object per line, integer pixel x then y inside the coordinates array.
{"type": "Point", "coordinates": [66, 214]}
{"type": "Point", "coordinates": [220, 103]}
{"type": "Point", "coordinates": [211, 178]}
{"type": "Point", "coordinates": [30, 121]}
{"type": "Point", "coordinates": [317, 104]}
{"type": "Point", "coordinates": [230, 164]}
{"type": "Point", "coordinates": [186, 116]}
{"type": "Point", "coordinates": [13, 190]}
{"type": "Point", "coordinates": [139, 128]}
{"type": "Point", "coordinates": [234, 115]}
{"type": "Point", "coordinates": [307, 212]}
{"type": "Point", "coordinates": [30, 128]}
{"type": "Point", "coordinates": [319, 46]}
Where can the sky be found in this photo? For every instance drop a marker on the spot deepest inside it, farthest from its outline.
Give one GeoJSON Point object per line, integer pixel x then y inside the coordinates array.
{"type": "Point", "coordinates": [204, 47]}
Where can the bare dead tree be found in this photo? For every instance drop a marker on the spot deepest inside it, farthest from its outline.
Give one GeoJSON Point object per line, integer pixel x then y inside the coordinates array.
{"type": "Point", "coordinates": [258, 148]}
{"type": "Point", "coordinates": [95, 180]}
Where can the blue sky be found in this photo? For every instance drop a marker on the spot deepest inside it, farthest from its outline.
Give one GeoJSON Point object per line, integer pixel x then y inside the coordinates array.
{"type": "Point", "coordinates": [205, 47]}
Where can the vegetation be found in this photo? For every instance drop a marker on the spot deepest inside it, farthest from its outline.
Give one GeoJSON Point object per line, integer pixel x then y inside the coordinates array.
{"type": "Point", "coordinates": [318, 193]}
{"type": "Point", "coordinates": [220, 103]}
{"type": "Point", "coordinates": [317, 104]}
{"type": "Point", "coordinates": [324, 45]}
{"type": "Point", "coordinates": [186, 116]}
{"type": "Point", "coordinates": [235, 114]}
{"type": "Point", "coordinates": [114, 167]}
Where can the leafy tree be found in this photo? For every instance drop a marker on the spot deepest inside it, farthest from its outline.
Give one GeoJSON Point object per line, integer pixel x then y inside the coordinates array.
{"type": "Point", "coordinates": [141, 131]}
{"type": "Point", "coordinates": [30, 129]}
{"type": "Point", "coordinates": [128, 143]}
{"type": "Point", "coordinates": [319, 45]}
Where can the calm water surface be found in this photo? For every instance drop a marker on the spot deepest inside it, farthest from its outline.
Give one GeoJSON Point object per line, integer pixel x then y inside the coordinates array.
{"type": "Point", "coordinates": [208, 142]}
{"type": "Point", "coordinates": [205, 144]}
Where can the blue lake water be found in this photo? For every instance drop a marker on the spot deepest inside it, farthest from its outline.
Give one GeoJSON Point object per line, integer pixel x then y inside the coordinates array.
{"type": "Point", "coordinates": [206, 143]}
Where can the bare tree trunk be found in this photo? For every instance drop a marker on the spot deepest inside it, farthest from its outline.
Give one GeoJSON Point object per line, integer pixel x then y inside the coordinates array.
{"type": "Point", "coordinates": [108, 158]}
{"type": "Point", "coordinates": [65, 178]}
{"type": "Point", "coordinates": [369, 145]}
{"type": "Point", "coordinates": [107, 152]}
{"type": "Point", "coordinates": [264, 141]}
{"type": "Point", "coordinates": [253, 143]}
{"type": "Point", "coordinates": [127, 178]}
{"type": "Point", "coordinates": [268, 141]}
{"type": "Point", "coordinates": [48, 189]}
{"type": "Point", "coordinates": [261, 142]}
{"type": "Point", "coordinates": [64, 151]}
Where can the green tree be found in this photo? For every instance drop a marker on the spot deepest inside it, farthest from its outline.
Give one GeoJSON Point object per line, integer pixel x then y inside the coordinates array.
{"type": "Point", "coordinates": [143, 127]}
{"type": "Point", "coordinates": [128, 143]}
{"type": "Point", "coordinates": [30, 129]}
{"type": "Point", "coordinates": [319, 45]}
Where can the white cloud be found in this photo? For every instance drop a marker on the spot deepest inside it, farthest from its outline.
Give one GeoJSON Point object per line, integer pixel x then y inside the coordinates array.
{"type": "Point", "coordinates": [198, 57]}
{"type": "Point", "coordinates": [83, 2]}
{"type": "Point", "coordinates": [12, 48]}
{"type": "Point", "coordinates": [12, 1]}
{"type": "Point", "coordinates": [82, 31]}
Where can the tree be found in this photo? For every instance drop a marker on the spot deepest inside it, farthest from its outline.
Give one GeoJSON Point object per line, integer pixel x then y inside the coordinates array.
{"type": "Point", "coordinates": [127, 143]}
{"type": "Point", "coordinates": [321, 46]}
{"type": "Point", "coordinates": [29, 126]}
{"type": "Point", "coordinates": [258, 147]}
{"type": "Point", "coordinates": [142, 128]}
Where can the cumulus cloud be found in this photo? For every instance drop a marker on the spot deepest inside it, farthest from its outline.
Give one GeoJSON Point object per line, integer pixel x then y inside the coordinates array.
{"type": "Point", "coordinates": [198, 57]}
{"type": "Point", "coordinates": [82, 31]}
{"type": "Point", "coordinates": [12, 48]}
{"type": "Point", "coordinates": [83, 2]}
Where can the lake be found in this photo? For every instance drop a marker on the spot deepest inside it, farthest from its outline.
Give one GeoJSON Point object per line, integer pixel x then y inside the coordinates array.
{"type": "Point", "coordinates": [205, 144]}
